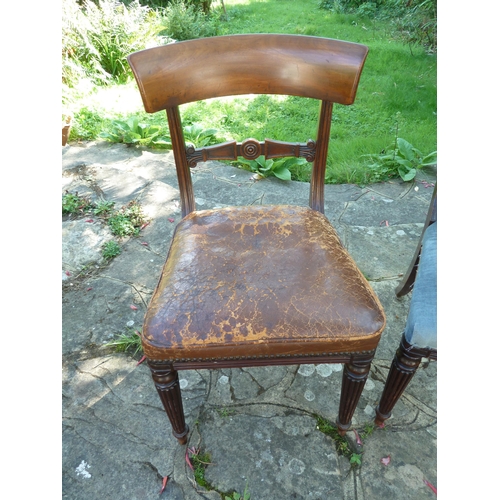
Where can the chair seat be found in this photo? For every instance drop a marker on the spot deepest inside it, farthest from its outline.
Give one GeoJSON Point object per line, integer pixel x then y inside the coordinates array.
{"type": "Point", "coordinates": [421, 325]}
{"type": "Point", "coordinates": [239, 276]}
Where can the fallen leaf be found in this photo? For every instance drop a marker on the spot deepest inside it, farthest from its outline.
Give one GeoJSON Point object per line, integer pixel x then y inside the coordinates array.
{"type": "Point", "coordinates": [144, 243]}
{"type": "Point", "coordinates": [171, 220]}
{"type": "Point", "coordinates": [431, 486]}
{"type": "Point", "coordinates": [381, 426]}
{"type": "Point", "coordinates": [89, 220]}
{"type": "Point", "coordinates": [164, 484]}
{"type": "Point", "coordinates": [68, 273]}
{"type": "Point", "coordinates": [386, 460]}
{"type": "Point", "coordinates": [88, 289]}
{"type": "Point", "coordinates": [141, 361]}
{"type": "Point", "coordinates": [189, 461]}
{"type": "Point", "coordinates": [133, 307]}
{"type": "Point", "coordinates": [358, 439]}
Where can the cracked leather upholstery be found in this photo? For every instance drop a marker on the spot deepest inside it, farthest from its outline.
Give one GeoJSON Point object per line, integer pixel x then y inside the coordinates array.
{"type": "Point", "coordinates": [259, 281]}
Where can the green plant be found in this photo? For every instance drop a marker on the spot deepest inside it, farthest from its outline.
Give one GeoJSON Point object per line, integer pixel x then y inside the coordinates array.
{"type": "Point", "coordinates": [125, 342]}
{"type": "Point", "coordinates": [103, 207]}
{"type": "Point", "coordinates": [403, 160]}
{"type": "Point", "coordinates": [186, 21]}
{"type": "Point", "coordinates": [98, 36]}
{"type": "Point", "coordinates": [128, 220]}
{"type": "Point", "coordinates": [87, 124]}
{"type": "Point", "coordinates": [265, 168]}
{"type": "Point", "coordinates": [200, 462]}
{"type": "Point", "coordinates": [111, 249]}
{"type": "Point", "coordinates": [132, 131]}
{"type": "Point", "coordinates": [349, 5]}
{"type": "Point", "coordinates": [198, 135]}
{"type": "Point", "coordinates": [341, 443]}
{"type": "Point", "coordinates": [367, 431]}
{"type": "Point", "coordinates": [225, 412]}
{"type": "Point", "coordinates": [237, 496]}
{"type": "Point", "coordinates": [417, 22]}
{"type": "Point", "coordinates": [73, 203]}
{"type": "Point", "coordinates": [355, 459]}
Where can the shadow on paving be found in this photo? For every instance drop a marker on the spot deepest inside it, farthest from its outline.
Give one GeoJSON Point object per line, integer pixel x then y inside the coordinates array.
{"type": "Point", "coordinates": [257, 425]}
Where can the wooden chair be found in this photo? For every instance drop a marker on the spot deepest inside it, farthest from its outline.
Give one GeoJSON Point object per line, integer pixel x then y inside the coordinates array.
{"type": "Point", "coordinates": [256, 285]}
{"type": "Point", "coordinates": [419, 340]}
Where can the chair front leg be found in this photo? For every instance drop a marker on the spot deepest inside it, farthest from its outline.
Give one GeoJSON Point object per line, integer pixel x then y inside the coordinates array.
{"type": "Point", "coordinates": [166, 381]}
{"type": "Point", "coordinates": [404, 365]}
{"type": "Point", "coordinates": [353, 380]}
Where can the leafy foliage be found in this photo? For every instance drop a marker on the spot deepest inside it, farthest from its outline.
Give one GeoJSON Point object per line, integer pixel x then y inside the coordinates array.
{"type": "Point", "coordinates": [415, 21]}
{"type": "Point", "coordinates": [265, 168]}
{"type": "Point", "coordinates": [73, 203]}
{"type": "Point", "coordinates": [200, 462]}
{"type": "Point", "coordinates": [237, 496]}
{"type": "Point", "coordinates": [418, 23]}
{"type": "Point", "coordinates": [127, 221]}
{"type": "Point", "coordinates": [198, 135]}
{"type": "Point", "coordinates": [97, 38]}
{"type": "Point", "coordinates": [403, 160]}
{"type": "Point", "coordinates": [111, 249]}
{"type": "Point", "coordinates": [103, 207]}
{"type": "Point", "coordinates": [132, 131]}
{"type": "Point", "coordinates": [326, 427]}
{"type": "Point", "coordinates": [185, 21]}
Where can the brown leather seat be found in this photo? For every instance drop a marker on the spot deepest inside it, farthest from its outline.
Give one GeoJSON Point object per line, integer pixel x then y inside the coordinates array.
{"type": "Point", "coordinates": [255, 282]}
{"type": "Point", "coordinates": [256, 285]}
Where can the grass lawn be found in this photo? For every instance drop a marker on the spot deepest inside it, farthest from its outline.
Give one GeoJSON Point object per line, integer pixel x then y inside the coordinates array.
{"type": "Point", "coordinates": [397, 93]}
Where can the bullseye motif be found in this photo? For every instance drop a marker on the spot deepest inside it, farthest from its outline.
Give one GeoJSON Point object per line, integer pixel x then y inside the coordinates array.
{"type": "Point", "coordinates": [250, 149]}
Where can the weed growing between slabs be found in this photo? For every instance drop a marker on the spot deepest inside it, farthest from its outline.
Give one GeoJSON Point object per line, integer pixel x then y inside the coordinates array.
{"type": "Point", "coordinates": [341, 443]}
{"type": "Point", "coordinates": [126, 221]}
{"type": "Point", "coordinates": [127, 342]}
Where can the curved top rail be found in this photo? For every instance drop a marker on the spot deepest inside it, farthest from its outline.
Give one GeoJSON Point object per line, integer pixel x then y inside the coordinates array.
{"type": "Point", "coordinates": [194, 70]}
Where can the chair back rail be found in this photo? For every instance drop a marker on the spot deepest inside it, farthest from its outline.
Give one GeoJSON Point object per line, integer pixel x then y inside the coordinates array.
{"type": "Point", "coordinates": [303, 66]}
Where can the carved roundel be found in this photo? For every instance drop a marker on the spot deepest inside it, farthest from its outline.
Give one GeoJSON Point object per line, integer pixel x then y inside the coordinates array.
{"type": "Point", "coordinates": [250, 149]}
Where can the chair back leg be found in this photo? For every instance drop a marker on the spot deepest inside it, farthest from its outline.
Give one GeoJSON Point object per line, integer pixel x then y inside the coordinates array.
{"type": "Point", "coordinates": [404, 365]}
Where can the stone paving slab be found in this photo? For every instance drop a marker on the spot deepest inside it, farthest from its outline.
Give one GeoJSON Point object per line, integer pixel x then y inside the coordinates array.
{"type": "Point", "coordinates": [257, 424]}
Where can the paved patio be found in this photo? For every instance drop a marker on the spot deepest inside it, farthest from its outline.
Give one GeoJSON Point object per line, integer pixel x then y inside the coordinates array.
{"type": "Point", "coordinates": [259, 425]}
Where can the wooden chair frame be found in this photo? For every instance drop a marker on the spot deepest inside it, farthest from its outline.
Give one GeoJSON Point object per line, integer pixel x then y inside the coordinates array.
{"type": "Point", "coordinates": [312, 67]}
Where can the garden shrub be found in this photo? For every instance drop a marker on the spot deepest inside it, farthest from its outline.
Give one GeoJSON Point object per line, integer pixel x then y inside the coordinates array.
{"type": "Point", "coordinates": [186, 21]}
{"type": "Point", "coordinates": [97, 38]}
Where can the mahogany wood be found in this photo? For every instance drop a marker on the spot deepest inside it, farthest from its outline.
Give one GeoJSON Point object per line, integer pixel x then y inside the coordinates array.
{"type": "Point", "coordinates": [345, 319]}
{"type": "Point", "coordinates": [305, 66]}
{"type": "Point", "coordinates": [353, 381]}
{"type": "Point", "coordinates": [403, 368]}
{"type": "Point", "coordinates": [166, 381]}
{"type": "Point", "coordinates": [181, 163]}
{"type": "Point", "coordinates": [251, 149]}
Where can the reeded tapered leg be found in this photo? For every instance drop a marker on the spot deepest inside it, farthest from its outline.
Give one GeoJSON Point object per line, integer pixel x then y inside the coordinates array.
{"type": "Point", "coordinates": [404, 365]}
{"type": "Point", "coordinates": [166, 380]}
{"type": "Point", "coordinates": [353, 381]}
